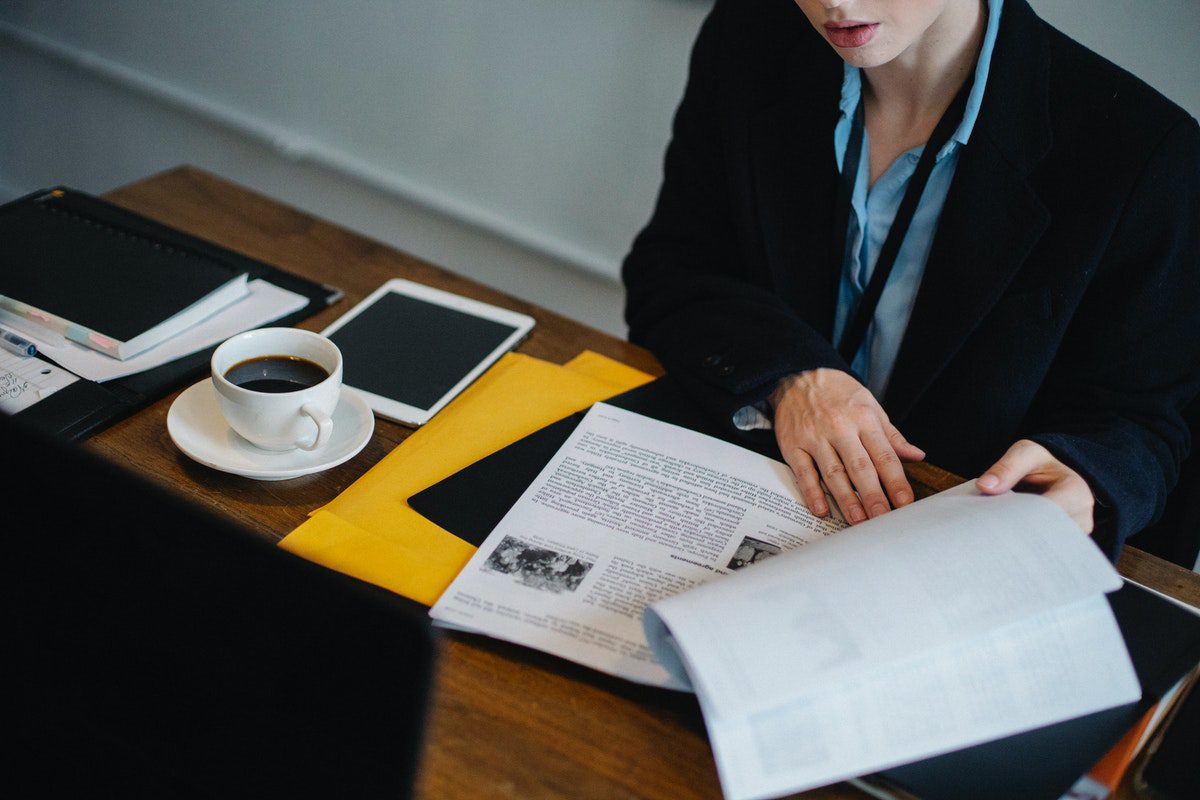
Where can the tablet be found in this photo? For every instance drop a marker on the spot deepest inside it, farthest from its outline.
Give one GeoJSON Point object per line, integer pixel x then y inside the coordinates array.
{"type": "Point", "coordinates": [409, 349]}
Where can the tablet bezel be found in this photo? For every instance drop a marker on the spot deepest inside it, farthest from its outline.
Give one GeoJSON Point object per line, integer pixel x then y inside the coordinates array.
{"type": "Point", "coordinates": [397, 411]}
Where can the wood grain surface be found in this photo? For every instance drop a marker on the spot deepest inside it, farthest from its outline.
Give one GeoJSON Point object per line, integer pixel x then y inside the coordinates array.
{"type": "Point", "coordinates": [506, 722]}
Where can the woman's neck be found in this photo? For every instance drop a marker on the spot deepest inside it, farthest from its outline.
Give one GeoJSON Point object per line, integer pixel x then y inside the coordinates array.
{"type": "Point", "coordinates": [921, 82]}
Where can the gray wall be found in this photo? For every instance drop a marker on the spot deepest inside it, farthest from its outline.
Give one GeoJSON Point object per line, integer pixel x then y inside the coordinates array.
{"type": "Point", "coordinates": [515, 141]}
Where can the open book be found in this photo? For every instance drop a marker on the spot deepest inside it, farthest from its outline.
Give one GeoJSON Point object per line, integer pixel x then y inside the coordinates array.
{"type": "Point", "coordinates": [817, 652]}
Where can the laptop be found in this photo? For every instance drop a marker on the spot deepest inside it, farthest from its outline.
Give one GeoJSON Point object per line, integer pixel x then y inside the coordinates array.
{"type": "Point", "coordinates": [157, 650]}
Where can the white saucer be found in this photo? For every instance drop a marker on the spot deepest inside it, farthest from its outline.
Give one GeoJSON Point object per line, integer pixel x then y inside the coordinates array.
{"type": "Point", "coordinates": [196, 426]}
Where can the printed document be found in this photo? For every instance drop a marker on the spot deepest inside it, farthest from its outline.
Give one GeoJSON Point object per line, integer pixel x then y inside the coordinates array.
{"type": "Point", "coordinates": [620, 517]}
{"type": "Point", "coordinates": [817, 652]}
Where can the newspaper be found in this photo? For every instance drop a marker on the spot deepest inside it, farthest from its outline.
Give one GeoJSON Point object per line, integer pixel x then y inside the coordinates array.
{"type": "Point", "coordinates": [817, 652]}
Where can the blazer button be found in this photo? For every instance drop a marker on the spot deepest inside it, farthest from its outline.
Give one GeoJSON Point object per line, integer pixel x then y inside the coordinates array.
{"type": "Point", "coordinates": [725, 370]}
{"type": "Point", "coordinates": [711, 361]}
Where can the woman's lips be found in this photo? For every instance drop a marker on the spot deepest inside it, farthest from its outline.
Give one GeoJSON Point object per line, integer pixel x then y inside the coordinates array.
{"type": "Point", "coordinates": [850, 34]}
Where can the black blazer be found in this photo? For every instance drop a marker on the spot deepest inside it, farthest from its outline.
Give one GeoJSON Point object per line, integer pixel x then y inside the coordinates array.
{"type": "Point", "coordinates": [1061, 297]}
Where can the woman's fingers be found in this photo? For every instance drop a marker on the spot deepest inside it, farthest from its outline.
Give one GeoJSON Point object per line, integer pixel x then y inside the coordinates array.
{"type": "Point", "coordinates": [1018, 462]}
{"type": "Point", "coordinates": [861, 469]}
{"type": "Point", "coordinates": [1032, 465]}
{"type": "Point", "coordinates": [836, 432]}
{"type": "Point", "coordinates": [838, 481]}
{"type": "Point", "coordinates": [890, 468]}
{"type": "Point", "coordinates": [808, 481]}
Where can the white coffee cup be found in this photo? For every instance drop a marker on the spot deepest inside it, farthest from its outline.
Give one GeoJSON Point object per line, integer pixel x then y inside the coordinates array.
{"type": "Point", "coordinates": [279, 420]}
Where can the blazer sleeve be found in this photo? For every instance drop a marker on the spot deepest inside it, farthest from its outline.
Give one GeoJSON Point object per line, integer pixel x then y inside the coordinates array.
{"type": "Point", "coordinates": [692, 298]}
{"type": "Point", "coordinates": [1112, 406]}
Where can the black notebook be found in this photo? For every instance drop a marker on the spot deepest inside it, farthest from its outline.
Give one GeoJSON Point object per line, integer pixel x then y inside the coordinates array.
{"type": "Point", "coordinates": [103, 284]}
{"type": "Point", "coordinates": [1163, 639]}
{"type": "Point", "coordinates": [110, 246]}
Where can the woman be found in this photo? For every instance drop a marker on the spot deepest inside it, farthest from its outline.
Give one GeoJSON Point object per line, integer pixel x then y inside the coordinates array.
{"type": "Point", "coordinates": [1033, 319]}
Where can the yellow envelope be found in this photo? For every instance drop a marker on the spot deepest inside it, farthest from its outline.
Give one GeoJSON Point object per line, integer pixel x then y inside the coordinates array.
{"type": "Point", "coordinates": [368, 531]}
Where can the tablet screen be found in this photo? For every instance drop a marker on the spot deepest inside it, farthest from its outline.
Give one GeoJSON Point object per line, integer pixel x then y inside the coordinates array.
{"type": "Point", "coordinates": [413, 351]}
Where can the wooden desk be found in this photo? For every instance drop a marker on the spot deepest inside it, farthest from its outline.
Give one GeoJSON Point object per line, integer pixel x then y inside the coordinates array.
{"type": "Point", "coordinates": [505, 721]}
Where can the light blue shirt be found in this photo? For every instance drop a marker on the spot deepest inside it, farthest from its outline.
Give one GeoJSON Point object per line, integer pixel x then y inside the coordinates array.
{"type": "Point", "coordinates": [872, 209]}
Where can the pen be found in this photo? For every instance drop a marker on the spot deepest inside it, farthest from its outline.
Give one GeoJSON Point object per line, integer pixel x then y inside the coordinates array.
{"type": "Point", "coordinates": [22, 347]}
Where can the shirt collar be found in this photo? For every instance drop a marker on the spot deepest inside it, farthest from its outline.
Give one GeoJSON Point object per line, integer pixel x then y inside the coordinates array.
{"type": "Point", "coordinates": [975, 99]}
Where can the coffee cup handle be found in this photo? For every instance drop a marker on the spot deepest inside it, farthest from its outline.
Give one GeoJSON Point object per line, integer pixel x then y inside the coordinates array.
{"type": "Point", "coordinates": [324, 426]}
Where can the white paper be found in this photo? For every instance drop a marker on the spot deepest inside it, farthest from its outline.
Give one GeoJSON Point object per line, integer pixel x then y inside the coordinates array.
{"type": "Point", "coordinates": [26, 380]}
{"type": "Point", "coordinates": [1014, 679]}
{"type": "Point", "coordinates": [912, 580]}
{"type": "Point", "coordinates": [953, 621]}
{"type": "Point", "coordinates": [264, 303]}
{"type": "Point", "coordinates": [624, 514]}
{"type": "Point", "coordinates": [820, 653]}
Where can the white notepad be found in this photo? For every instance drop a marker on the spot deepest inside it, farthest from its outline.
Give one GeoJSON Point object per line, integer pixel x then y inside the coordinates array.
{"type": "Point", "coordinates": [24, 381]}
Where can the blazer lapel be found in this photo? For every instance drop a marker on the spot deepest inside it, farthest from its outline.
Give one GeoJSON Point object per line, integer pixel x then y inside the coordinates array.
{"type": "Point", "coordinates": [795, 178]}
{"type": "Point", "coordinates": [991, 222]}
{"type": "Point", "coordinates": [992, 219]}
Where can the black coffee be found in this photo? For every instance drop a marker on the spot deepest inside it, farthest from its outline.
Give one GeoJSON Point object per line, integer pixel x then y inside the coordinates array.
{"type": "Point", "coordinates": [276, 374]}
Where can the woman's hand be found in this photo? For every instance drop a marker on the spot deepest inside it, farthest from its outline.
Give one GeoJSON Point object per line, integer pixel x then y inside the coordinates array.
{"type": "Point", "coordinates": [829, 426]}
{"type": "Point", "coordinates": [1030, 466]}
